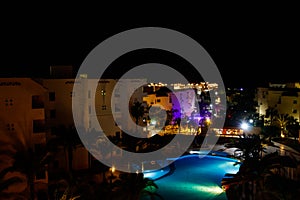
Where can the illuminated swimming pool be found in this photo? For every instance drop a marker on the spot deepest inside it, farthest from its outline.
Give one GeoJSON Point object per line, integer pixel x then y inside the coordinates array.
{"type": "Point", "coordinates": [194, 177]}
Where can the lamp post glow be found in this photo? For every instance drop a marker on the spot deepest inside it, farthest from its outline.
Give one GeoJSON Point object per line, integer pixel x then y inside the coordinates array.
{"type": "Point", "coordinates": [245, 127]}
{"type": "Point", "coordinates": [112, 170]}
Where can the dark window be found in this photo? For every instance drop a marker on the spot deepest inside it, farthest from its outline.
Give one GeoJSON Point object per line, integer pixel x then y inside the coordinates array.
{"type": "Point", "coordinates": [295, 101]}
{"type": "Point", "coordinates": [294, 111]}
{"type": "Point", "coordinates": [158, 100]}
{"type": "Point", "coordinates": [104, 107]}
{"type": "Point", "coordinates": [52, 114]}
{"type": "Point", "coordinates": [37, 102]}
{"type": "Point", "coordinates": [38, 126]}
{"type": "Point", "coordinates": [51, 96]}
{"type": "Point", "coordinates": [10, 127]}
{"type": "Point", "coordinates": [40, 150]}
{"type": "Point", "coordinates": [118, 135]}
{"type": "Point", "coordinates": [8, 102]}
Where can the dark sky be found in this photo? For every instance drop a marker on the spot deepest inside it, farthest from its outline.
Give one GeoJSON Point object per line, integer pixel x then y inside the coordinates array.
{"type": "Point", "coordinates": [250, 48]}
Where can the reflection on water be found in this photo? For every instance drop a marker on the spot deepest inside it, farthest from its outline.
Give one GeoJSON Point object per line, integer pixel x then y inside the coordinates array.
{"type": "Point", "coordinates": [194, 177]}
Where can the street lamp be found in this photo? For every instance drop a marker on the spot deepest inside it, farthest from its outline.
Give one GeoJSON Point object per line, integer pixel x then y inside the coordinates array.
{"type": "Point", "coordinates": [112, 170]}
{"type": "Point", "coordinates": [245, 127]}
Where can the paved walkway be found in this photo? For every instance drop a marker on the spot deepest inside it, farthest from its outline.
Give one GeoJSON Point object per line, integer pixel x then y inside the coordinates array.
{"type": "Point", "coordinates": [284, 150]}
{"type": "Point", "coordinates": [281, 148]}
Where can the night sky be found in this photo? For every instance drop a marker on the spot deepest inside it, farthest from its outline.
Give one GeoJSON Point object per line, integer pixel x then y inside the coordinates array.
{"type": "Point", "coordinates": [250, 48]}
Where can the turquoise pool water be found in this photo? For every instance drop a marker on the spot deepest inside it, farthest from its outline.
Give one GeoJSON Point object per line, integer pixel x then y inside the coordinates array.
{"type": "Point", "coordinates": [194, 177]}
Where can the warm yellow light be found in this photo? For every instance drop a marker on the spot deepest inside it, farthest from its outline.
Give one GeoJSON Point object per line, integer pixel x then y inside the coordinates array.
{"type": "Point", "coordinates": [282, 147]}
{"type": "Point", "coordinates": [113, 169]}
{"type": "Point", "coordinates": [282, 135]}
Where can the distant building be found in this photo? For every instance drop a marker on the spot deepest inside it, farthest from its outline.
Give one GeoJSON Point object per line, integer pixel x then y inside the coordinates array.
{"type": "Point", "coordinates": [164, 100]}
{"type": "Point", "coordinates": [186, 99]}
{"type": "Point", "coordinates": [58, 102]}
{"type": "Point", "coordinates": [285, 98]}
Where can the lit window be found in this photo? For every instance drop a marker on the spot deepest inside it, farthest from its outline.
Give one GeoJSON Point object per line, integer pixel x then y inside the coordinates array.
{"type": "Point", "coordinates": [103, 93]}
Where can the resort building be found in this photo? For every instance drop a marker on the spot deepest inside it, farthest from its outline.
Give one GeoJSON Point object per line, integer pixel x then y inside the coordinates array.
{"type": "Point", "coordinates": [22, 113]}
{"type": "Point", "coordinates": [285, 98]}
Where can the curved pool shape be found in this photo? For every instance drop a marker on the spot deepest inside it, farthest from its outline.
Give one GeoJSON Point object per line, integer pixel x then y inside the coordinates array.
{"type": "Point", "coordinates": [193, 177]}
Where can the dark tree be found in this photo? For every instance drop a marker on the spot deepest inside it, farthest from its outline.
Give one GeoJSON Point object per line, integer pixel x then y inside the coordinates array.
{"type": "Point", "coordinates": [137, 111]}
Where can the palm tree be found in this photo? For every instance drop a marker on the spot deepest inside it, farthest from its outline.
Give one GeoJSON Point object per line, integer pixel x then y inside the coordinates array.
{"type": "Point", "coordinates": [69, 139]}
{"type": "Point", "coordinates": [293, 127]}
{"type": "Point", "coordinates": [256, 172]}
{"type": "Point", "coordinates": [271, 113]}
{"type": "Point", "coordinates": [133, 186]}
{"type": "Point", "coordinates": [16, 165]}
{"type": "Point", "coordinates": [103, 150]}
{"type": "Point", "coordinates": [137, 111]}
{"type": "Point", "coordinates": [271, 128]}
{"type": "Point", "coordinates": [281, 120]}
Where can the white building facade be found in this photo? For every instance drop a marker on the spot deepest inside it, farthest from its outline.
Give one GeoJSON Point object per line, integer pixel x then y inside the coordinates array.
{"type": "Point", "coordinates": [285, 98]}
{"type": "Point", "coordinates": [22, 114]}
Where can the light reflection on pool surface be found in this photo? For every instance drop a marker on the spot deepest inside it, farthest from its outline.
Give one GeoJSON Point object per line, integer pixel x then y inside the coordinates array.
{"type": "Point", "coordinates": [195, 177]}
